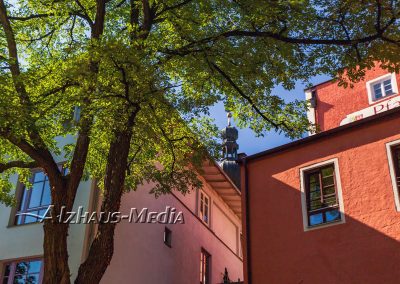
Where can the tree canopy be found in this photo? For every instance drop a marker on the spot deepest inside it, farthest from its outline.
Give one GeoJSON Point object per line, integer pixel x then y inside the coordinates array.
{"type": "Point", "coordinates": [145, 73]}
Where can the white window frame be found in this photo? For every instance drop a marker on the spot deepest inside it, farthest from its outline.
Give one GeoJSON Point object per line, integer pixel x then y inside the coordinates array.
{"type": "Point", "coordinates": [303, 172]}
{"type": "Point", "coordinates": [371, 83]}
{"type": "Point", "coordinates": [208, 223]}
{"type": "Point", "coordinates": [393, 172]}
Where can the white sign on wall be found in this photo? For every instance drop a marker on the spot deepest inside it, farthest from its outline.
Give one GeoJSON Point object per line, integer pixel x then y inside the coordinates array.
{"type": "Point", "coordinates": [372, 110]}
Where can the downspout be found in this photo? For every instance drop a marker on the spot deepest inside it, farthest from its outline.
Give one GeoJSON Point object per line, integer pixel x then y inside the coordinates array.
{"type": "Point", "coordinates": [246, 190]}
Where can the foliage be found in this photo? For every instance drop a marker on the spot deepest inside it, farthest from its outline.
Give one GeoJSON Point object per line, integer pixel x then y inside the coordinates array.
{"type": "Point", "coordinates": [156, 67]}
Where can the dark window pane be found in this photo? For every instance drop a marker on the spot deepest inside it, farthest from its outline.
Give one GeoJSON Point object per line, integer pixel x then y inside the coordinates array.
{"type": "Point", "coordinates": [315, 187]}
{"type": "Point", "coordinates": [22, 267]}
{"type": "Point", "coordinates": [205, 267]}
{"type": "Point", "coordinates": [32, 279]}
{"type": "Point", "coordinates": [23, 200]}
{"type": "Point", "coordinates": [327, 181]}
{"type": "Point", "coordinates": [329, 190]}
{"type": "Point", "coordinates": [327, 172]}
{"type": "Point", "coordinates": [19, 279]}
{"type": "Point", "coordinates": [315, 195]}
{"type": "Point", "coordinates": [316, 204]}
{"type": "Point", "coordinates": [388, 87]}
{"type": "Point", "coordinates": [332, 215]}
{"type": "Point", "coordinates": [397, 156]}
{"type": "Point", "coordinates": [314, 178]}
{"type": "Point", "coordinates": [7, 270]}
{"type": "Point", "coordinates": [316, 219]}
{"type": "Point", "coordinates": [167, 237]}
{"type": "Point", "coordinates": [377, 91]}
{"type": "Point", "coordinates": [330, 200]}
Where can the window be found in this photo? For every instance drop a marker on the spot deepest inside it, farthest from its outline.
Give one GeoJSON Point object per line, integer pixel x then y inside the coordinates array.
{"type": "Point", "coordinates": [382, 87]}
{"type": "Point", "coordinates": [322, 200]}
{"type": "Point", "coordinates": [204, 208]}
{"type": "Point", "coordinates": [396, 163]}
{"type": "Point", "coordinates": [35, 200]}
{"type": "Point", "coordinates": [74, 117]}
{"type": "Point", "coordinates": [167, 237]}
{"type": "Point", "coordinates": [205, 259]}
{"type": "Point", "coordinates": [321, 195]}
{"type": "Point", "coordinates": [23, 272]}
{"type": "Point", "coordinates": [393, 152]}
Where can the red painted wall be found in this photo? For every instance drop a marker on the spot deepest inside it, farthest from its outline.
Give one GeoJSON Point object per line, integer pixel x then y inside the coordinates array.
{"type": "Point", "coordinates": [365, 249]}
{"type": "Point", "coordinates": [334, 102]}
{"type": "Point", "coordinates": [141, 257]}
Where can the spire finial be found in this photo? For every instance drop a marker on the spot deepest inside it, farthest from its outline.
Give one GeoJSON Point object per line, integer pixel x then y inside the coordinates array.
{"type": "Point", "coordinates": [229, 115]}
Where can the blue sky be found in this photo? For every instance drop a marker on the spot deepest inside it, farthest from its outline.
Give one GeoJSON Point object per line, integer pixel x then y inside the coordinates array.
{"type": "Point", "coordinates": [248, 142]}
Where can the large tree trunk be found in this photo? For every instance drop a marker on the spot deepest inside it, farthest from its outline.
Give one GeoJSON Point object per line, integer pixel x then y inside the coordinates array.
{"type": "Point", "coordinates": [55, 249]}
{"type": "Point", "coordinates": [102, 247]}
{"type": "Point", "coordinates": [55, 253]}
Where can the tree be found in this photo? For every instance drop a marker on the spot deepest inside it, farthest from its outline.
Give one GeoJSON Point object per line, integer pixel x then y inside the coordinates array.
{"type": "Point", "coordinates": [143, 72]}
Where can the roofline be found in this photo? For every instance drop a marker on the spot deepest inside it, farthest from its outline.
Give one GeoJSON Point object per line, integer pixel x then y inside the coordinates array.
{"type": "Point", "coordinates": [325, 134]}
{"type": "Point", "coordinates": [227, 177]}
{"type": "Point", "coordinates": [319, 84]}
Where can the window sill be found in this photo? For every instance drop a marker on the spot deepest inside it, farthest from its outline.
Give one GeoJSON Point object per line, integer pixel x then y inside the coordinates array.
{"type": "Point", "coordinates": [23, 225]}
{"type": "Point", "coordinates": [382, 99]}
{"type": "Point", "coordinates": [324, 225]}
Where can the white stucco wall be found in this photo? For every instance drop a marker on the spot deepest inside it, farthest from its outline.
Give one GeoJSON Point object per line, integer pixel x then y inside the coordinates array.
{"type": "Point", "coordinates": [24, 241]}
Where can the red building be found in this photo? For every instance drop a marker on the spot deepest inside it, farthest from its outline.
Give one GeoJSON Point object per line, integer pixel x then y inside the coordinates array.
{"type": "Point", "coordinates": [325, 209]}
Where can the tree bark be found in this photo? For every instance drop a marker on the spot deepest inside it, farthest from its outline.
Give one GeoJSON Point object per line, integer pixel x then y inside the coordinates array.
{"type": "Point", "coordinates": [102, 247]}
{"type": "Point", "coordinates": [55, 249]}
{"type": "Point", "coordinates": [56, 254]}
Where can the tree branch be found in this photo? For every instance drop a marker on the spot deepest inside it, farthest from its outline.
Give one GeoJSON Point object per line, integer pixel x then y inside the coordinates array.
{"type": "Point", "coordinates": [84, 14]}
{"type": "Point", "coordinates": [249, 99]}
{"type": "Point", "coordinates": [27, 18]}
{"type": "Point", "coordinates": [39, 151]}
{"type": "Point", "coordinates": [18, 164]}
{"type": "Point", "coordinates": [173, 7]}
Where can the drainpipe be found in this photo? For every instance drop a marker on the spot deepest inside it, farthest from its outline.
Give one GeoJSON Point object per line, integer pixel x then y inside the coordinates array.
{"type": "Point", "coordinates": [248, 251]}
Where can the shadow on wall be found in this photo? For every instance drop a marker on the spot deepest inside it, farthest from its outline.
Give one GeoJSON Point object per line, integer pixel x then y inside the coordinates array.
{"type": "Point", "coordinates": [323, 108]}
{"type": "Point", "coordinates": [365, 249]}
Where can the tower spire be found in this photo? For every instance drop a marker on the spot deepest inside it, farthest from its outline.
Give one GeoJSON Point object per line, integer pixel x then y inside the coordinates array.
{"type": "Point", "coordinates": [229, 136]}
{"type": "Point", "coordinates": [230, 148]}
